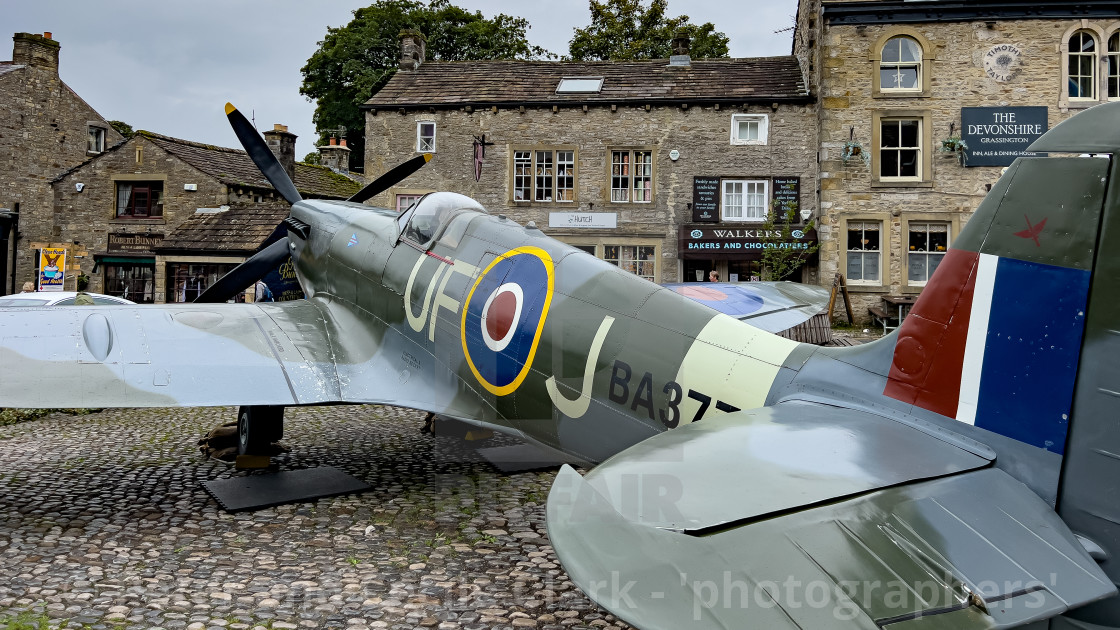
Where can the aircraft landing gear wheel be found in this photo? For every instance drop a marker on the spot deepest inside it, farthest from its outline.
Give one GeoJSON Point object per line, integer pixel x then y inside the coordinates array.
{"type": "Point", "coordinates": [257, 428]}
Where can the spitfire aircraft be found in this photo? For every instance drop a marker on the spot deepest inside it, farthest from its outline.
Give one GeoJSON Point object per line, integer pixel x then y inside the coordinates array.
{"type": "Point", "coordinates": [961, 472]}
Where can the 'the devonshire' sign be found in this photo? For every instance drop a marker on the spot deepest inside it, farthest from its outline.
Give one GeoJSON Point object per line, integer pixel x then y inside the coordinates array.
{"type": "Point", "coordinates": [997, 135]}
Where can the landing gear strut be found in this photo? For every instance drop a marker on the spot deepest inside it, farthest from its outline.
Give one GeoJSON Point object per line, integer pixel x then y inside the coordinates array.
{"type": "Point", "coordinates": [257, 428]}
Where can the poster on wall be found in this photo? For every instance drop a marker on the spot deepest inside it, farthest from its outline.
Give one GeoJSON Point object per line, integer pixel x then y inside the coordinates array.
{"type": "Point", "coordinates": [787, 197]}
{"type": "Point", "coordinates": [705, 199]}
{"type": "Point", "coordinates": [52, 268]}
{"type": "Point", "coordinates": [995, 136]}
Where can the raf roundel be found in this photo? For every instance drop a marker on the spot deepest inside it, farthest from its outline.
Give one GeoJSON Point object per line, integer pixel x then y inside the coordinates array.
{"type": "Point", "coordinates": [504, 317]}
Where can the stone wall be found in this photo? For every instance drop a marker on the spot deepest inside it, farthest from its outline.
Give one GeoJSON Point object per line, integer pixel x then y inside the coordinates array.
{"type": "Point", "coordinates": [84, 219]}
{"type": "Point", "coordinates": [701, 135]}
{"type": "Point", "coordinates": [957, 78]}
{"type": "Point", "coordinates": [43, 132]}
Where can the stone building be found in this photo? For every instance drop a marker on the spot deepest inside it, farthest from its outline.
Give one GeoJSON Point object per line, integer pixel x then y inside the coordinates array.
{"type": "Point", "coordinates": [921, 106]}
{"type": "Point", "coordinates": [162, 218]}
{"type": "Point", "coordinates": [664, 167]}
{"type": "Point", "coordinates": [45, 128]}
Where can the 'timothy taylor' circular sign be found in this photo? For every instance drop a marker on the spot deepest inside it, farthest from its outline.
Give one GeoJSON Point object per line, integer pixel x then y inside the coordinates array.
{"type": "Point", "coordinates": [1002, 62]}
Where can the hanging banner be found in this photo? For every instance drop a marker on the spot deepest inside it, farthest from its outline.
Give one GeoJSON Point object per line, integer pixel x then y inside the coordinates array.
{"type": "Point", "coordinates": [52, 268]}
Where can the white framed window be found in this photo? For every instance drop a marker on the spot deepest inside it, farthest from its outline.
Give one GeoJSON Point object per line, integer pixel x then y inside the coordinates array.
{"type": "Point", "coordinates": [640, 260]}
{"type": "Point", "coordinates": [864, 252]}
{"type": "Point", "coordinates": [425, 137]}
{"type": "Point", "coordinates": [749, 128]}
{"type": "Point", "coordinates": [1113, 66]}
{"type": "Point", "coordinates": [900, 65]}
{"type": "Point", "coordinates": [544, 175]}
{"type": "Point", "coordinates": [744, 200]}
{"type": "Point", "coordinates": [631, 176]}
{"type": "Point", "coordinates": [96, 142]}
{"type": "Point", "coordinates": [928, 242]}
{"type": "Point", "coordinates": [1082, 66]}
{"type": "Point", "coordinates": [900, 149]}
{"type": "Point", "coordinates": [405, 201]}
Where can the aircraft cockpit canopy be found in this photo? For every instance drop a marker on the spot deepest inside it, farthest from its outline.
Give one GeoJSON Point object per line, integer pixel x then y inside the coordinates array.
{"type": "Point", "coordinates": [429, 216]}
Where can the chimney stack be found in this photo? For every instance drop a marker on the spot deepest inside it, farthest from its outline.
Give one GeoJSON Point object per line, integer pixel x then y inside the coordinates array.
{"type": "Point", "coordinates": [336, 156]}
{"type": "Point", "coordinates": [413, 48]}
{"type": "Point", "coordinates": [283, 146]}
{"type": "Point", "coordinates": [680, 45]}
{"type": "Point", "coordinates": [35, 50]}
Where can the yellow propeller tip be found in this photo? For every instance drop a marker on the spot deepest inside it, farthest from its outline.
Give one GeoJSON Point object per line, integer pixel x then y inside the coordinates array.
{"type": "Point", "coordinates": [427, 157]}
{"type": "Point", "coordinates": [230, 109]}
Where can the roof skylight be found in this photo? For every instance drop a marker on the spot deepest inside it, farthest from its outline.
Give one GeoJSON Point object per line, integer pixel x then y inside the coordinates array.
{"type": "Point", "coordinates": [570, 85]}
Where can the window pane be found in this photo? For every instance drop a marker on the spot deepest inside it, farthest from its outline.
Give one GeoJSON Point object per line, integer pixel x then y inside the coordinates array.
{"type": "Point", "coordinates": [543, 190]}
{"type": "Point", "coordinates": [934, 261]}
{"type": "Point", "coordinates": [909, 50]}
{"type": "Point", "coordinates": [889, 136]}
{"type": "Point", "coordinates": [620, 176]}
{"type": "Point", "coordinates": [908, 163]}
{"type": "Point", "coordinates": [522, 175]}
{"type": "Point", "coordinates": [565, 175]}
{"type": "Point", "coordinates": [908, 78]}
{"type": "Point", "coordinates": [643, 176]}
{"type": "Point", "coordinates": [871, 239]}
{"type": "Point", "coordinates": [888, 163]}
{"type": "Point", "coordinates": [855, 266]}
{"type": "Point", "coordinates": [871, 266]}
{"type": "Point", "coordinates": [892, 51]}
{"type": "Point", "coordinates": [917, 268]}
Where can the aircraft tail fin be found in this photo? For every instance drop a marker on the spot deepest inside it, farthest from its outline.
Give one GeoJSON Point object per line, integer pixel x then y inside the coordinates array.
{"type": "Point", "coordinates": [995, 338]}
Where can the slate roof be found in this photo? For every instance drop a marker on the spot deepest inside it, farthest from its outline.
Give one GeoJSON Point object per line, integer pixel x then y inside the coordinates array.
{"type": "Point", "coordinates": [234, 167]}
{"type": "Point", "coordinates": [240, 230]}
{"type": "Point", "coordinates": [486, 83]}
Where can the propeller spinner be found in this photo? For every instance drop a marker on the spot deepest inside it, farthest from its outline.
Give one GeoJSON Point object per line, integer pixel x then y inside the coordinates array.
{"type": "Point", "coordinates": [259, 264]}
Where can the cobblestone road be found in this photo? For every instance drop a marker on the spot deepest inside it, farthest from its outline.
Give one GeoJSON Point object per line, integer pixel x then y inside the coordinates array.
{"type": "Point", "coordinates": [104, 524]}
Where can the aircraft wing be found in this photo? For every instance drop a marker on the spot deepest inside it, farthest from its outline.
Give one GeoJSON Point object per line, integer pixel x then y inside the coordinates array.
{"type": "Point", "coordinates": [284, 353]}
{"type": "Point", "coordinates": [802, 515]}
{"type": "Point", "coordinates": [770, 306]}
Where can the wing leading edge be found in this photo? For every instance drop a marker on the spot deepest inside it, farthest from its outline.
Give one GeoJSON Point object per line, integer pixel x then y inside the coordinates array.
{"type": "Point", "coordinates": [909, 535]}
{"type": "Point", "coordinates": [290, 353]}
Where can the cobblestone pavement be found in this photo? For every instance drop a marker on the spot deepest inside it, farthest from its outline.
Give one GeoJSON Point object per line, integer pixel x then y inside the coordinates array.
{"type": "Point", "coordinates": [104, 524]}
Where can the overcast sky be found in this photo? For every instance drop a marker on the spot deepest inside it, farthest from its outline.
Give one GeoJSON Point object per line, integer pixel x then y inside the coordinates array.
{"type": "Point", "coordinates": [170, 67]}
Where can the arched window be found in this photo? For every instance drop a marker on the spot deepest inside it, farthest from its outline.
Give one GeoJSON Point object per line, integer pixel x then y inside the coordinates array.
{"type": "Point", "coordinates": [1114, 66]}
{"type": "Point", "coordinates": [1082, 66]}
{"type": "Point", "coordinates": [900, 65]}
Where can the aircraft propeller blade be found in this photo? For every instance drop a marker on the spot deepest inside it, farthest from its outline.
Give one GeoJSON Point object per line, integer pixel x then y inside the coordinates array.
{"type": "Point", "coordinates": [389, 179]}
{"type": "Point", "coordinates": [261, 155]}
{"type": "Point", "coordinates": [245, 274]}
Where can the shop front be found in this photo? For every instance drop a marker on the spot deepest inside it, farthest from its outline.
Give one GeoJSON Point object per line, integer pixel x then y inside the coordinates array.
{"type": "Point", "coordinates": [128, 266]}
{"type": "Point", "coordinates": [737, 254]}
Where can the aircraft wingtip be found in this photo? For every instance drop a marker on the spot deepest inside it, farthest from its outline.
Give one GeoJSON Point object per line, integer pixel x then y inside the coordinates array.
{"type": "Point", "coordinates": [230, 109]}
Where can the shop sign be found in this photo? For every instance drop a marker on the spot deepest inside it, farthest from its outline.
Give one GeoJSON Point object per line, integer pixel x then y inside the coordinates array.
{"type": "Point", "coordinates": [705, 199]}
{"type": "Point", "coordinates": [52, 268]}
{"type": "Point", "coordinates": [125, 243]}
{"type": "Point", "coordinates": [787, 196]}
{"type": "Point", "coordinates": [732, 242]}
{"type": "Point", "coordinates": [997, 135]}
{"type": "Point", "coordinates": [604, 220]}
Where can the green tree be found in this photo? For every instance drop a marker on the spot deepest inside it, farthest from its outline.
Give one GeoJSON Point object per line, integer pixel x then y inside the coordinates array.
{"type": "Point", "coordinates": [122, 128]}
{"type": "Point", "coordinates": [354, 61]}
{"type": "Point", "coordinates": [312, 158]}
{"type": "Point", "coordinates": [781, 237]}
{"type": "Point", "coordinates": [625, 30]}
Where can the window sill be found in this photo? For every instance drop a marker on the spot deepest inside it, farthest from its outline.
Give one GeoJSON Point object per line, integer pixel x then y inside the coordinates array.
{"type": "Point", "coordinates": [757, 143]}
{"type": "Point", "coordinates": [1083, 103]}
{"type": "Point", "coordinates": [867, 288]}
{"type": "Point", "coordinates": [903, 184]}
{"type": "Point", "coordinates": [93, 153]}
{"type": "Point", "coordinates": [901, 94]}
{"type": "Point", "coordinates": [747, 221]}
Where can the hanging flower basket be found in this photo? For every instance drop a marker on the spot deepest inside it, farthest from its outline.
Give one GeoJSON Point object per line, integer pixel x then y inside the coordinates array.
{"type": "Point", "coordinates": [954, 144]}
{"type": "Point", "coordinates": [854, 150]}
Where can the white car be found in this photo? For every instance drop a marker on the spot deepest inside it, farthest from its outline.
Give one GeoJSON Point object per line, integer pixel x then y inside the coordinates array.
{"type": "Point", "coordinates": [56, 298]}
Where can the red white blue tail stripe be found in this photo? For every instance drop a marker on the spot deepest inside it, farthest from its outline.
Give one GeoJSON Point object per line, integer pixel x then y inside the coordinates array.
{"type": "Point", "coordinates": [1000, 352]}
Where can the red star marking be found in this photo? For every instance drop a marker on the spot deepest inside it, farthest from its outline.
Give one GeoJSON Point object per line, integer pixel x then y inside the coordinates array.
{"type": "Point", "coordinates": [1032, 231]}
